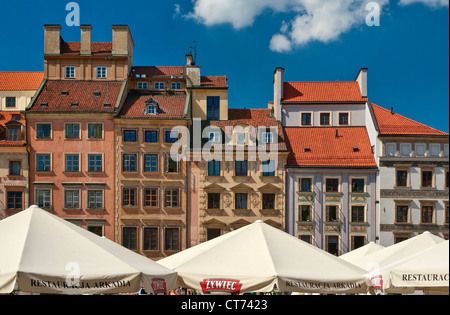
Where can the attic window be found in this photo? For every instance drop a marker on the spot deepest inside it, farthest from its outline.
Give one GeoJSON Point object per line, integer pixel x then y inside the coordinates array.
{"type": "Point", "coordinates": [97, 93]}
{"type": "Point", "coordinates": [307, 149]}
{"type": "Point", "coordinates": [64, 93]}
{"type": "Point", "coordinates": [44, 104]}
{"type": "Point", "coordinates": [16, 117]}
{"type": "Point", "coordinates": [151, 110]}
{"type": "Point", "coordinates": [107, 105]}
{"type": "Point", "coordinates": [74, 105]}
{"type": "Point", "coordinates": [355, 149]}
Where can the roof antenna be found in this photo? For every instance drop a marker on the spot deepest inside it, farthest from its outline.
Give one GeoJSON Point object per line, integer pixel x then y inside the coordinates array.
{"type": "Point", "coordinates": [193, 51]}
{"type": "Point", "coordinates": [392, 110]}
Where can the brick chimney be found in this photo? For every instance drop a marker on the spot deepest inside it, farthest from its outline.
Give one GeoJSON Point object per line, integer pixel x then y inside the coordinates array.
{"type": "Point", "coordinates": [52, 39]}
{"type": "Point", "coordinates": [192, 72]}
{"type": "Point", "coordinates": [86, 39]}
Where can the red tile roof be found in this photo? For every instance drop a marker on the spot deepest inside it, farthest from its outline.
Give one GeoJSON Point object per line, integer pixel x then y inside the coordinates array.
{"type": "Point", "coordinates": [97, 49]}
{"type": "Point", "coordinates": [327, 150]}
{"type": "Point", "coordinates": [20, 81]}
{"type": "Point", "coordinates": [170, 106]}
{"type": "Point", "coordinates": [214, 81]}
{"type": "Point", "coordinates": [312, 92]}
{"type": "Point", "coordinates": [6, 117]}
{"type": "Point", "coordinates": [91, 96]}
{"type": "Point", "coordinates": [395, 124]}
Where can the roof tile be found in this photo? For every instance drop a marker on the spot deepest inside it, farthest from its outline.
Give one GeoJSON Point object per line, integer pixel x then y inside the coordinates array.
{"type": "Point", "coordinates": [20, 81]}
{"type": "Point", "coordinates": [170, 106]}
{"type": "Point", "coordinates": [311, 92]}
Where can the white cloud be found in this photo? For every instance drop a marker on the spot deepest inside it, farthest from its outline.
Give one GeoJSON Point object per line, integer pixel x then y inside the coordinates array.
{"type": "Point", "coordinates": [312, 20]}
{"type": "Point", "coordinates": [430, 3]}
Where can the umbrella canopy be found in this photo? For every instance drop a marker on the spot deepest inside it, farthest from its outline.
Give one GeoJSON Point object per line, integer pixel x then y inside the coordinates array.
{"type": "Point", "coordinates": [46, 254]}
{"type": "Point", "coordinates": [381, 262]}
{"type": "Point", "coordinates": [428, 269]}
{"type": "Point", "coordinates": [261, 258]}
{"type": "Point", "coordinates": [362, 252]}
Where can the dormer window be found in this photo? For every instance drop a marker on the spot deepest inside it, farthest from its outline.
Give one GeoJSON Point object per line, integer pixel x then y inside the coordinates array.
{"type": "Point", "coordinates": [151, 110]}
{"type": "Point", "coordinates": [240, 138]}
{"type": "Point", "coordinates": [267, 137]}
{"type": "Point", "coordinates": [64, 93]}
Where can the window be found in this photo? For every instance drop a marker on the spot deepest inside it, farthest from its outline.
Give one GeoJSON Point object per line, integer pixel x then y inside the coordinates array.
{"type": "Point", "coordinates": [214, 201]}
{"type": "Point", "coordinates": [215, 137]}
{"type": "Point", "coordinates": [305, 184]}
{"type": "Point", "coordinates": [402, 178]}
{"type": "Point", "coordinates": [70, 72]}
{"type": "Point", "coordinates": [267, 137]}
{"type": "Point", "coordinates": [172, 239]}
{"type": "Point", "coordinates": [129, 163]}
{"type": "Point", "coordinates": [405, 149]}
{"type": "Point", "coordinates": [241, 201]}
{"type": "Point", "coordinates": [447, 179]}
{"type": "Point", "coordinates": [129, 237]}
{"type": "Point", "coordinates": [306, 119]}
{"type": "Point", "coordinates": [358, 214]}
{"type": "Point", "coordinates": [172, 136]}
{"type": "Point", "coordinates": [391, 149]}
{"type": "Point", "coordinates": [332, 185]}
{"type": "Point", "coordinates": [213, 108]}
{"type": "Point", "coordinates": [10, 102]}
{"type": "Point", "coordinates": [95, 199]}
{"type": "Point", "coordinates": [95, 131]}
{"type": "Point", "coordinates": [71, 199]}
{"type": "Point", "coordinates": [14, 168]}
{"type": "Point", "coordinates": [358, 185]}
{"type": "Point", "coordinates": [96, 229]}
{"type": "Point", "coordinates": [44, 131]}
{"type": "Point", "coordinates": [358, 241]}
{"type": "Point", "coordinates": [446, 150]}
{"type": "Point", "coordinates": [43, 163]}
{"type": "Point", "coordinates": [214, 168]}
{"type": "Point", "coordinates": [304, 213]}
{"type": "Point", "coordinates": [268, 201]}
{"type": "Point", "coordinates": [101, 73]}
{"type": "Point", "coordinates": [129, 136]}
{"type": "Point", "coordinates": [213, 233]}
{"type": "Point", "coordinates": [447, 214]}
{"type": "Point", "coordinates": [43, 198]}
{"type": "Point", "coordinates": [151, 197]}
{"type": "Point", "coordinates": [14, 200]}
{"type": "Point", "coordinates": [176, 85]}
{"type": "Point", "coordinates": [427, 178]}
{"type": "Point", "coordinates": [151, 238]}
{"type": "Point", "coordinates": [344, 119]}
{"type": "Point", "coordinates": [402, 214]}
{"type": "Point", "coordinates": [172, 166]}
{"type": "Point", "coordinates": [95, 163]}
{"type": "Point", "coordinates": [151, 136]}
{"type": "Point", "coordinates": [72, 131]}
{"type": "Point", "coordinates": [325, 119]}
{"type": "Point", "coordinates": [151, 110]}
{"type": "Point", "coordinates": [240, 138]}
{"type": "Point", "coordinates": [160, 86]}
{"type": "Point", "coordinates": [241, 168]}
{"type": "Point", "coordinates": [332, 213]}
{"type": "Point", "coordinates": [14, 134]}
{"type": "Point", "coordinates": [142, 86]}
{"type": "Point", "coordinates": [427, 214]}
{"type": "Point", "coordinates": [72, 163]}
{"type": "Point", "coordinates": [268, 168]}
{"type": "Point", "coordinates": [172, 198]}
{"type": "Point", "coordinates": [151, 163]}
{"type": "Point", "coordinates": [306, 238]}
{"type": "Point", "coordinates": [332, 244]}
{"type": "Point", "coordinates": [435, 150]}
{"type": "Point", "coordinates": [129, 197]}
{"type": "Point", "coordinates": [421, 149]}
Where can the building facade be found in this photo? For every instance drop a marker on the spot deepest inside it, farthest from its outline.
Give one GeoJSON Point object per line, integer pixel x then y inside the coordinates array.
{"type": "Point", "coordinates": [70, 127]}
{"type": "Point", "coordinates": [414, 178]}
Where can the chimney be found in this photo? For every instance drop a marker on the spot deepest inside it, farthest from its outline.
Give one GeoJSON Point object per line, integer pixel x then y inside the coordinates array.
{"type": "Point", "coordinates": [123, 44]}
{"type": "Point", "coordinates": [192, 72]}
{"type": "Point", "coordinates": [86, 39]}
{"type": "Point", "coordinates": [278, 92]}
{"type": "Point", "coordinates": [362, 81]}
{"type": "Point", "coordinates": [52, 39]}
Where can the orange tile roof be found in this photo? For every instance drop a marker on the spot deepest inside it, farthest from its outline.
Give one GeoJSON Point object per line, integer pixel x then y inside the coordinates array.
{"type": "Point", "coordinates": [170, 106]}
{"type": "Point", "coordinates": [91, 96]}
{"type": "Point", "coordinates": [312, 92]}
{"type": "Point", "coordinates": [20, 81]}
{"type": "Point", "coordinates": [319, 147]}
{"type": "Point", "coordinates": [214, 81]}
{"type": "Point", "coordinates": [97, 48]}
{"type": "Point", "coordinates": [395, 124]}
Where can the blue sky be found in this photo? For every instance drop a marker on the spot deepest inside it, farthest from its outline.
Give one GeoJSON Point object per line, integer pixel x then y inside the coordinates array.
{"type": "Point", "coordinates": [407, 55]}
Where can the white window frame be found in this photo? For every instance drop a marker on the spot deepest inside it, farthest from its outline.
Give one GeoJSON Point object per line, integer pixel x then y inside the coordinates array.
{"type": "Point", "coordinates": [176, 86]}
{"type": "Point", "coordinates": [160, 85]}
{"type": "Point", "coordinates": [409, 148]}
{"type": "Point", "coordinates": [391, 145]}
{"type": "Point", "coordinates": [435, 145]}
{"type": "Point", "coordinates": [151, 110]}
{"type": "Point", "coordinates": [267, 137]}
{"type": "Point", "coordinates": [416, 150]}
{"type": "Point", "coordinates": [142, 85]}
{"type": "Point", "coordinates": [72, 72]}
{"type": "Point", "coordinates": [101, 72]}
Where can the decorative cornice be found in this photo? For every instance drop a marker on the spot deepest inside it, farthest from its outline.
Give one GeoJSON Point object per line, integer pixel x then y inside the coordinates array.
{"type": "Point", "coordinates": [414, 193]}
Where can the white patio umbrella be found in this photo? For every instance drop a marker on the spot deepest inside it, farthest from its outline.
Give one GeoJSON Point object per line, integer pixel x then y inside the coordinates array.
{"type": "Point", "coordinates": [362, 252]}
{"type": "Point", "coordinates": [381, 262]}
{"type": "Point", "coordinates": [428, 270]}
{"type": "Point", "coordinates": [261, 258]}
{"type": "Point", "coordinates": [46, 254]}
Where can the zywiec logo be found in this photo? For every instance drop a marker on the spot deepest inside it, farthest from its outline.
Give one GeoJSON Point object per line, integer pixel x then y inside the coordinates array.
{"type": "Point", "coordinates": [221, 285]}
{"type": "Point", "coordinates": [159, 286]}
